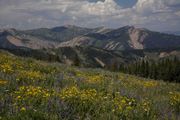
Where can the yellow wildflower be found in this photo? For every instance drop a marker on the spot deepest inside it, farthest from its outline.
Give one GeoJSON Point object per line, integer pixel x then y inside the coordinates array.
{"type": "Point", "coordinates": [175, 100]}
{"type": "Point", "coordinates": [3, 82]}
{"type": "Point", "coordinates": [6, 68]}
{"type": "Point", "coordinates": [23, 109]}
{"type": "Point", "coordinates": [29, 75]}
{"type": "Point", "coordinates": [150, 84]}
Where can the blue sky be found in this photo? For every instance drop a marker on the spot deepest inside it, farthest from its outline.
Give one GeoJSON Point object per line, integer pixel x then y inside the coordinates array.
{"type": "Point", "coordinates": [126, 3]}
{"type": "Point", "coordinates": [158, 15]}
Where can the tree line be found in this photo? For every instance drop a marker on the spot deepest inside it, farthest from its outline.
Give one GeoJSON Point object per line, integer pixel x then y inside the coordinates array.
{"type": "Point", "coordinates": [164, 69]}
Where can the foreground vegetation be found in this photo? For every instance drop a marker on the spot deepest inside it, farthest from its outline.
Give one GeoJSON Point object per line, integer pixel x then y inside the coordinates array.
{"type": "Point", "coordinates": [31, 89]}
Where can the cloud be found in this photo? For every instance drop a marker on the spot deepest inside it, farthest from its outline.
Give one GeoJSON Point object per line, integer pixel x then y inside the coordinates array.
{"type": "Point", "coordinates": [153, 14]}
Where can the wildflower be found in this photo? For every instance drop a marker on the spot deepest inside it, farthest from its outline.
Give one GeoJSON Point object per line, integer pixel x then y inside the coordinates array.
{"type": "Point", "coordinates": [3, 82]}
{"type": "Point", "coordinates": [95, 79]}
{"type": "Point", "coordinates": [80, 96]}
{"type": "Point", "coordinates": [146, 106]}
{"type": "Point", "coordinates": [23, 109]}
{"type": "Point", "coordinates": [18, 97]}
{"type": "Point", "coordinates": [122, 103]}
{"type": "Point", "coordinates": [6, 68]}
{"type": "Point", "coordinates": [27, 92]}
{"type": "Point", "coordinates": [150, 84]}
{"type": "Point", "coordinates": [29, 75]}
{"type": "Point", "coordinates": [175, 100]}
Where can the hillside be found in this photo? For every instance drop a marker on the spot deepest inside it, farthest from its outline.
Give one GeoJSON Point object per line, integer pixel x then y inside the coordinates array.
{"type": "Point", "coordinates": [95, 57]}
{"type": "Point", "coordinates": [31, 89]}
{"type": "Point", "coordinates": [124, 38]}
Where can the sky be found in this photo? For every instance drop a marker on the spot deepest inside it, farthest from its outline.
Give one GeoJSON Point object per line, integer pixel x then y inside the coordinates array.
{"type": "Point", "coordinates": [158, 15]}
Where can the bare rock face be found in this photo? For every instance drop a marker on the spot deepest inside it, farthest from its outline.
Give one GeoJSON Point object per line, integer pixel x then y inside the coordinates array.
{"type": "Point", "coordinates": [137, 37]}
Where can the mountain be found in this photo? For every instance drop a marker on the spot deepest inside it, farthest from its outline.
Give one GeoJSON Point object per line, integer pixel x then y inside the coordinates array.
{"type": "Point", "coordinates": [11, 39]}
{"type": "Point", "coordinates": [90, 47]}
{"type": "Point", "coordinates": [39, 38]}
{"type": "Point", "coordinates": [172, 32]}
{"type": "Point", "coordinates": [58, 34]}
{"type": "Point", "coordinates": [125, 38]}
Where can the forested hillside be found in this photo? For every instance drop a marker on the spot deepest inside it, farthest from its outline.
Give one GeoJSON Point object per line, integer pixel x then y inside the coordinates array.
{"type": "Point", "coordinates": [166, 69]}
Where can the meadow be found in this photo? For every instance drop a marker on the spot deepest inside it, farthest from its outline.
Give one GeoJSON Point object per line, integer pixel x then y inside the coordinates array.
{"type": "Point", "coordinates": [38, 90]}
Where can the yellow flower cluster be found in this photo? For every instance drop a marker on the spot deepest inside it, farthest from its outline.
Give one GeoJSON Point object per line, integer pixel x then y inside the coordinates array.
{"type": "Point", "coordinates": [145, 105]}
{"type": "Point", "coordinates": [3, 82]}
{"type": "Point", "coordinates": [6, 64]}
{"type": "Point", "coordinates": [18, 65]}
{"type": "Point", "coordinates": [26, 92]}
{"type": "Point", "coordinates": [123, 103]}
{"type": "Point", "coordinates": [30, 75]}
{"type": "Point", "coordinates": [149, 84]}
{"type": "Point", "coordinates": [175, 100]}
{"type": "Point", "coordinates": [73, 94]}
{"type": "Point", "coordinates": [30, 95]}
{"type": "Point", "coordinates": [132, 81]}
{"type": "Point", "coordinates": [69, 93]}
{"type": "Point", "coordinates": [6, 68]}
{"type": "Point", "coordinates": [93, 79]}
{"type": "Point", "coordinates": [88, 95]}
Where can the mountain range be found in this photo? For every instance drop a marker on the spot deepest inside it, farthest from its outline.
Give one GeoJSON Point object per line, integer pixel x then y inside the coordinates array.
{"type": "Point", "coordinates": [125, 38]}
{"type": "Point", "coordinates": [90, 46]}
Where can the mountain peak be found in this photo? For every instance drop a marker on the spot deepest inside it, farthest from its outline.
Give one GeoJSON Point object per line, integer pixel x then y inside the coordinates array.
{"type": "Point", "coordinates": [102, 29]}
{"type": "Point", "coordinates": [73, 27]}
{"type": "Point", "coordinates": [62, 28]}
{"type": "Point", "coordinates": [133, 28]}
{"type": "Point", "coordinates": [8, 31]}
{"type": "Point", "coordinates": [70, 26]}
{"type": "Point", "coordinates": [128, 27]}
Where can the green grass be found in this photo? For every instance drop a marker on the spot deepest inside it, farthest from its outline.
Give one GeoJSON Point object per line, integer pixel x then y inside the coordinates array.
{"type": "Point", "coordinates": [37, 90]}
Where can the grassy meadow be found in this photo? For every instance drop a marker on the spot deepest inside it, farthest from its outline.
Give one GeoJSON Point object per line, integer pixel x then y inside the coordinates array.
{"type": "Point", "coordinates": [38, 90]}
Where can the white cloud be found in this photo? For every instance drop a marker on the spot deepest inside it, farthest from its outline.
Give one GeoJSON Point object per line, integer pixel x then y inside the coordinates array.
{"type": "Point", "coordinates": [154, 14]}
